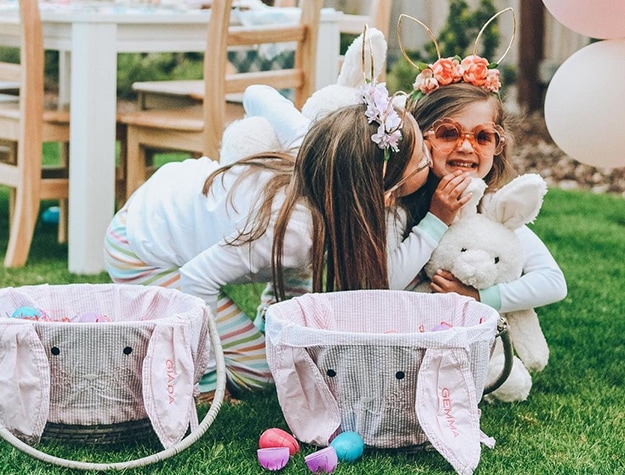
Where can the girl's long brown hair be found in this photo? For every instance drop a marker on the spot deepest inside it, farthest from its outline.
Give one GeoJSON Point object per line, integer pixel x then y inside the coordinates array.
{"type": "Point", "coordinates": [338, 175]}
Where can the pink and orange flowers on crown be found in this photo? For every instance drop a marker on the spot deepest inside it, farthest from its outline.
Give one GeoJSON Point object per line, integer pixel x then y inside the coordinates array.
{"type": "Point", "coordinates": [472, 69]}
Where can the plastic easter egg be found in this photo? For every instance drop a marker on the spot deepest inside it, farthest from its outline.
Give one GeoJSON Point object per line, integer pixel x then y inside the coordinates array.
{"type": "Point", "coordinates": [273, 458]}
{"type": "Point", "coordinates": [442, 326]}
{"type": "Point", "coordinates": [349, 446]}
{"type": "Point", "coordinates": [92, 317]}
{"type": "Point", "coordinates": [27, 313]}
{"type": "Point", "coordinates": [275, 437]}
{"type": "Point", "coordinates": [51, 215]}
{"type": "Point", "coordinates": [322, 461]}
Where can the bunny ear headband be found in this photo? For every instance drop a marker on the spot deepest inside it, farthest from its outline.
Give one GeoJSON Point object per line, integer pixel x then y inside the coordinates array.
{"type": "Point", "coordinates": [472, 69]}
{"type": "Point", "coordinates": [379, 107]}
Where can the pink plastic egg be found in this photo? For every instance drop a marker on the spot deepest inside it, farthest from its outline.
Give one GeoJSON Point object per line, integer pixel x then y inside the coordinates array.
{"type": "Point", "coordinates": [322, 461]}
{"type": "Point", "coordinates": [275, 437]}
{"type": "Point", "coordinates": [273, 458]}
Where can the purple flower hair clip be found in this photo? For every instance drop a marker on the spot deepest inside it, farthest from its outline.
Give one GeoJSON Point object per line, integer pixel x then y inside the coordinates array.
{"type": "Point", "coordinates": [380, 110]}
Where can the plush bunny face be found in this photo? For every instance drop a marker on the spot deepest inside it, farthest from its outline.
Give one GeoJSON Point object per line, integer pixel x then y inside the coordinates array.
{"type": "Point", "coordinates": [482, 249]}
{"type": "Point", "coordinates": [102, 386]}
{"type": "Point", "coordinates": [372, 402]}
{"type": "Point", "coordinates": [479, 252]}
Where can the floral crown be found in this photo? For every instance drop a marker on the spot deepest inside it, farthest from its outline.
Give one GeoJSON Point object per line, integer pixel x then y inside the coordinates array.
{"type": "Point", "coordinates": [472, 69]}
{"type": "Point", "coordinates": [380, 110]}
{"type": "Point", "coordinates": [379, 107]}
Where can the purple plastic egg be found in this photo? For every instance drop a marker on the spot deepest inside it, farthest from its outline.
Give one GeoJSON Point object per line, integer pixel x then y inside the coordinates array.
{"type": "Point", "coordinates": [349, 446]}
{"type": "Point", "coordinates": [273, 458]}
{"type": "Point", "coordinates": [322, 461]}
{"type": "Point", "coordinates": [92, 317]}
{"type": "Point", "coordinates": [442, 326]}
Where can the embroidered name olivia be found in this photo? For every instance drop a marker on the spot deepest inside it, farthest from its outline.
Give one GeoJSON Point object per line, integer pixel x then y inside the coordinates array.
{"type": "Point", "coordinates": [171, 377]}
{"type": "Point", "coordinates": [447, 410]}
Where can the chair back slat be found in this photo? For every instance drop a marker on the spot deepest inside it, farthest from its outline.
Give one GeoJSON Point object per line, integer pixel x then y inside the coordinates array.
{"type": "Point", "coordinates": [222, 36]}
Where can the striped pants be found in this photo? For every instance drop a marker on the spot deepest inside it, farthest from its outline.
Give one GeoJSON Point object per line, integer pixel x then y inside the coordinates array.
{"type": "Point", "coordinates": [243, 344]}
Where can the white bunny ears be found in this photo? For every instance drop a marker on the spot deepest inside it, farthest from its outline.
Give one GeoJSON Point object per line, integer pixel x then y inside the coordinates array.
{"type": "Point", "coordinates": [513, 205]}
{"type": "Point", "coordinates": [516, 203]}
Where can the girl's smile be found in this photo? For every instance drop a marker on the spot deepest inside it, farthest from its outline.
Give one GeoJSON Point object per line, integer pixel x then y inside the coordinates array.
{"type": "Point", "coordinates": [464, 156]}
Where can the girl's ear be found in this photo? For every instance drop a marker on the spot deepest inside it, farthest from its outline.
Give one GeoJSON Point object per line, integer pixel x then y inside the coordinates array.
{"type": "Point", "coordinates": [516, 203]}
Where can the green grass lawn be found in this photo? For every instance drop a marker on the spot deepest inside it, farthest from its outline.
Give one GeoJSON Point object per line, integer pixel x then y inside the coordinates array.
{"type": "Point", "coordinates": [572, 423]}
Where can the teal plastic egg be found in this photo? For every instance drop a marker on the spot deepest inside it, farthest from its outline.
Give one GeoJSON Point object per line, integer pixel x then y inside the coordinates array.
{"type": "Point", "coordinates": [26, 313]}
{"type": "Point", "coordinates": [349, 446]}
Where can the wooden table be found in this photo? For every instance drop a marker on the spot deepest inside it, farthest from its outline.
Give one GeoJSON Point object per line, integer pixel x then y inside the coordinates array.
{"type": "Point", "coordinates": [89, 36]}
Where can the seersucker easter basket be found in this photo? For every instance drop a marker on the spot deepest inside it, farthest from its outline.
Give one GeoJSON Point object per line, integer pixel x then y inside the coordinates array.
{"type": "Point", "coordinates": [402, 369]}
{"type": "Point", "coordinates": [130, 377]}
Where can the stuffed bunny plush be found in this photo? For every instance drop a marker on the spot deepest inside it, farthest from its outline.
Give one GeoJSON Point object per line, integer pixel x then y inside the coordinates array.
{"type": "Point", "coordinates": [481, 250]}
{"type": "Point", "coordinates": [145, 363]}
{"type": "Point", "coordinates": [255, 134]}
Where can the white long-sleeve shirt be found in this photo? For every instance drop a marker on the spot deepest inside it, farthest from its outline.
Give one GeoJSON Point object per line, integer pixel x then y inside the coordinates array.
{"type": "Point", "coordinates": [170, 223]}
{"type": "Point", "coordinates": [541, 283]}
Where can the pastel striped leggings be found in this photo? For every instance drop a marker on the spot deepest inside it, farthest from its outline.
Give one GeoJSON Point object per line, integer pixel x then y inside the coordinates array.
{"type": "Point", "coordinates": [243, 344]}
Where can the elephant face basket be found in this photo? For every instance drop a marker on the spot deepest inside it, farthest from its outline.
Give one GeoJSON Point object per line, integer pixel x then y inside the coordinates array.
{"type": "Point", "coordinates": [101, 363]}
{"type": "Point", "coordinates": [399, 368]}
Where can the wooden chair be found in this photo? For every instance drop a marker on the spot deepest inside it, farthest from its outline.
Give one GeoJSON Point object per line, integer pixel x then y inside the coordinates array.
{"type": "Point", "coordinates": [24, 126]}
{"type": "Point", "coordinates": [177, 93]}
{"type": "Point", "coordinates": [378, 16]}
{"type": "Point", "coordinates": [198, 129]}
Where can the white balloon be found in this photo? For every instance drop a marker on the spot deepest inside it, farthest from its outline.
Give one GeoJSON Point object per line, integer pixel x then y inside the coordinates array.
{"type": "Point", "coordinates": [585, 105]}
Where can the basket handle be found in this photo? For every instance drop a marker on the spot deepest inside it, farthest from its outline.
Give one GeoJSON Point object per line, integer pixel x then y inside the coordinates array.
{"type": "Point", "coordinates": [157, 457]}
{"type": "Point", "coordinates": [508, 361]}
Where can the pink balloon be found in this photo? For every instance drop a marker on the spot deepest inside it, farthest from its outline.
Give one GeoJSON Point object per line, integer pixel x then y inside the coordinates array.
{"type": "Point", "coordinates": [601, 19]}
{"type": "Point", "coordinates": [585, 105]}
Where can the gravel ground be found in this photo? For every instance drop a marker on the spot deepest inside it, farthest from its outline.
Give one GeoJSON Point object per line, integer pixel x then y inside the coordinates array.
{"type": "Point", "coordinates": [534, 151]}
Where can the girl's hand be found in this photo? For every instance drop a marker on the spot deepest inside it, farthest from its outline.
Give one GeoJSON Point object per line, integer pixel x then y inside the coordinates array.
{"type": "Point", "coordinates": [444, 281]}
{"type": "Point", "coordinates": [447, 198]}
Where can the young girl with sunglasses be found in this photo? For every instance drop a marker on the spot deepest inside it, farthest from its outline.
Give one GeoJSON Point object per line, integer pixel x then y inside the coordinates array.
{"type": "Point", "coordinates": [272, 217]}
{"type": "Point", "coordinates": [463, 124]}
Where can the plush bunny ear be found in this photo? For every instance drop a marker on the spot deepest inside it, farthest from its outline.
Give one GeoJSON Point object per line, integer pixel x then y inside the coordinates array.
{"type": "Point", "coordinates": [24, 381]}
{"type": "Point", "coordinates": [446, 405]}
{"type": "Point", "coordinates": [477, 187]}
{"type": "Point", "coordinates": [168, 382]}
{"type": "Point", "coordinates": [353, 71]}
{"type": "Point", "coordinates": [516, 203]}
{"type": "Point", "coordinates": [308, 406]}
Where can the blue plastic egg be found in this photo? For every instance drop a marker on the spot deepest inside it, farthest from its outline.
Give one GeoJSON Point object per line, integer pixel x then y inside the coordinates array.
{"type": "Point", "coordinates": [349, 446]}
{"type": "Point", "coordinates": [51, 215]}
{"type": "Point", "coordinates": [26, 313]}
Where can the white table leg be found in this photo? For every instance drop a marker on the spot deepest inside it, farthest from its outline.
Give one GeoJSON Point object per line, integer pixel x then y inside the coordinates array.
{"type": "Point", "coordinates": [328, 46]}
{"type": "Point", "coordinates": [65, 76]}
{"type": "Point", "coordinates": [92, 146]}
